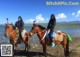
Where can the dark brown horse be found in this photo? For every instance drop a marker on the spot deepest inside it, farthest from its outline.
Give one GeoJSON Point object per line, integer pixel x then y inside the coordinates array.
{"type": "Point", "coordinates": [11, 32]}
{"type": "Point", "coordinates": [40, 31]}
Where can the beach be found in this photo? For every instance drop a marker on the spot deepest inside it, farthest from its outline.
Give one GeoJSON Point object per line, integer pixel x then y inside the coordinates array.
{"type": "Point", "coordinates": [57, 51]}
{"type": "Point", "coordinates": [36, 48]}
{"type": "Point", "coordinates": [43, 19]}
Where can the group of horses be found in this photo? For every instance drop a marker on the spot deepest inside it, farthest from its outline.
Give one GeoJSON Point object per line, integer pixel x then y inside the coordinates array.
{"type": "Point", "coordinates": [10, 31]}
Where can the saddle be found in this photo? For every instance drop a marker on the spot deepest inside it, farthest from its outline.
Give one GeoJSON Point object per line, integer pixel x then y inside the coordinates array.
{"type": "Point", "coordinates": [23, 33]}
{"type": "Point", "coordinates": [20, 36]}
{"type": "Point", "coordinates": [57, 35]}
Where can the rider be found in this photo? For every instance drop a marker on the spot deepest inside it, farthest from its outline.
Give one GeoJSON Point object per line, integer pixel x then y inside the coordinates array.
{"type": "Point", "coordinates": [19, 25]}
{"type": "Point", "coordinates": [50, 27]}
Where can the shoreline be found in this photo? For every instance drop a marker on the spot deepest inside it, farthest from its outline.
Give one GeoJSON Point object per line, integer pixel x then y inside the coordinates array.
{"type": "Point", "coordinates": [57, 51]}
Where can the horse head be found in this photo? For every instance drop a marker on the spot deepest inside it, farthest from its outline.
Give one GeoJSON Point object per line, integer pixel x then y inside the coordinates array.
{"type": "Point", "coordinates": [8, 29]}
{"type": "Point", "coordinates": [36, 29]}
{"type": "Point", "coordinates": [33, 30]}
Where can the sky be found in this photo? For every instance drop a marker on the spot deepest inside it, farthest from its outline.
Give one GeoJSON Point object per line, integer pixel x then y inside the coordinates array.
{"type": "Point", "coordinates": [38, 10]}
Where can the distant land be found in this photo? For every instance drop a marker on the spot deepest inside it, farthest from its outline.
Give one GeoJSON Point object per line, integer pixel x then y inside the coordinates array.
{"type": "Point", "coordinates": [64, 24]}
{"type": "Point", "coordinates": [71, 24]}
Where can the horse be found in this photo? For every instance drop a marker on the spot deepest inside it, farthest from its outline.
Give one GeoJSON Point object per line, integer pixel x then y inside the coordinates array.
{"type": "Point", "coordinates": [12, 32]}
{"type": "Point", "coordinates": [40, 31]}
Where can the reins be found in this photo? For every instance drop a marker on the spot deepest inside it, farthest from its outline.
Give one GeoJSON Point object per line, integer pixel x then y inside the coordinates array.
{"type": "Point", "coordinates": [44, 34]}
{"type": "Point", "coordinates": [12, 31]}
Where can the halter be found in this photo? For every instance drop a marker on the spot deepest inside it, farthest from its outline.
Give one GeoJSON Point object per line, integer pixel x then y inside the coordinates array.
{"type": "Point", "coordinates": [40, 32]}
{"type": "Point", "coordinates": [12, 31]}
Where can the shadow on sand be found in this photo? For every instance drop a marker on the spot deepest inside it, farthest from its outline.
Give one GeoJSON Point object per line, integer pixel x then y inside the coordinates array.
{"type": "Point", "coordinates": [22, 53]}
{"type": "Point", "coordinates": [30, 54]}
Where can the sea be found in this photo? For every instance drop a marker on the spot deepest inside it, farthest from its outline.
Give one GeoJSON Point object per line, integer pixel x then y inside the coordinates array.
{"type": "Point", "coordinates": [73, 32]}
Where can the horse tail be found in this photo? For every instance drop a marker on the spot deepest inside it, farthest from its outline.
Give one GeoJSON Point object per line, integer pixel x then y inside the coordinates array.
{"type": "Point", "coordinates": [67, 46]}
{"type": "Point", "coordinates": [69, 37]}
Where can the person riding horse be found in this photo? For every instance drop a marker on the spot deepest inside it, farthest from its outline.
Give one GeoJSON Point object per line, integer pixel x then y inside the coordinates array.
{"type": "Point", "coordinates": [19, 25]}
{"type": "Point", "coordinates": [50, 27]}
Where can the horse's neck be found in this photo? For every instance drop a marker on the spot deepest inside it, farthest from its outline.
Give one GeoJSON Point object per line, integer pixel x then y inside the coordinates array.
{"type": "Point", "coordinates": [13, 27]}
{"type": "Point", "coordinates": [41, 33]}
{"type": "Point", "coordinates": [12, 30]}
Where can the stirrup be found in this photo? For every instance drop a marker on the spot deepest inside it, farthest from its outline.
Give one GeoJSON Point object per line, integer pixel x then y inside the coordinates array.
{"type": "Point", "coordinates": [53, 45]}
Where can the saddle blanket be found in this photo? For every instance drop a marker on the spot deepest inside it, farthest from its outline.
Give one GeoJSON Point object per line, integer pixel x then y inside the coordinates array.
{"type": "Point", "coordinates": [23, 33]}
{"type": "Point", "coordinates": [56, 35]}
{"type": "Point", "coordinates": [59, 37]}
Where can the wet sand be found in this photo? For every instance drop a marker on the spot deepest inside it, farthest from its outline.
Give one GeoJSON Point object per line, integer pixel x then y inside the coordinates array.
{"type": "Point", "coordinates": [57, 51]}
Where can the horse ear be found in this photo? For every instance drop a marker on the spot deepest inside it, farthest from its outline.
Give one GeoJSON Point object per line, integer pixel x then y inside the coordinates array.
{"type": "Point", "coordinates": [10, 23]}
{"type": "Point", "coordinates": [34, 22]}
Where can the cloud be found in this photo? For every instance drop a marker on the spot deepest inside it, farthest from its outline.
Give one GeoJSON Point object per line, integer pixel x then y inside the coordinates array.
{"type": "Point", "coordinates": [30, 20]}
{"type": "Point", "coordinates": [73, 14]}
{"type": "Point", "coordinates": [39, 19]}
{"type": "Point", "coordinates": [61, 16]}
{"type": "Point", "coordinates": [77, 14]}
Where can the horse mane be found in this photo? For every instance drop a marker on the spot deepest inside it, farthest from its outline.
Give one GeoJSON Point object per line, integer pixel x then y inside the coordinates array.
{"type": "Point", "coordinates": [43, 28]}
{"type": "Point", "coordinates": [13, 26]}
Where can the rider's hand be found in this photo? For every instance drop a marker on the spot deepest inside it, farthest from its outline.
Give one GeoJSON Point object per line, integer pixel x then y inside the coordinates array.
{"type": "Point", "coordinates": [48, 30]}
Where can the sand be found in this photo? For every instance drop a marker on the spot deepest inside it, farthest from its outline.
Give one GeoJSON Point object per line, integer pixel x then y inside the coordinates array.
{"type": "Point", "coordinates": [57, 51]}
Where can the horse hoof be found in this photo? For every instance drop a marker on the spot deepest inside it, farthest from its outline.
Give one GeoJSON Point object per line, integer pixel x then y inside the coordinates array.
{"type": "Point", "coordinates": [16, 49]}
{"type": "Point", "coordinates": [45, 55]}
{"type": "Point", "coordinates": [26, 50]}
{"type": "Point", "coordinates": [67, 56]}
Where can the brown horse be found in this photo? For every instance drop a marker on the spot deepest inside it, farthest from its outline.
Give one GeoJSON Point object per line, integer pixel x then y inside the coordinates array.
{"type": "Point", "coordinates": [40, 31]}
{"type": "Point", "coordinates": [11, 32]}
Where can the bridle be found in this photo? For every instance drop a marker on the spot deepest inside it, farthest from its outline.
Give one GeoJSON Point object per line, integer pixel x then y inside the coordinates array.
{"type": "Point", "coordinates": [12, 32]}
{"type": "Point", "coordinates": [32, 31]}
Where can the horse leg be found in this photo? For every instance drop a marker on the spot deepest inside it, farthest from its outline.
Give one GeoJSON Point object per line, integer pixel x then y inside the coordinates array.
{"type": "Point", "coordinates": [12, 46]}
{"type": "Point", "coordinates": [15, 45]}
{"type": "Point", "coordinates": [66, 49]}
{"type": "Point", "coordinates": [28, 43]}
{"type": "Point", "coordinates": [44, 50]}
{"type": "Point", "coordinates": [27, 47]}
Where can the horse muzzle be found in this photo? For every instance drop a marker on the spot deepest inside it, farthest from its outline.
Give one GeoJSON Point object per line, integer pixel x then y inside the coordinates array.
{"type": "Point", "coordinates": [6, 35]}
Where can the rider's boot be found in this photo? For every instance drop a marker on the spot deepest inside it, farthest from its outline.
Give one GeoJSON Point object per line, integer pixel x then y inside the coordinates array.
{"type": "Point", "coordinates": [53, 44]}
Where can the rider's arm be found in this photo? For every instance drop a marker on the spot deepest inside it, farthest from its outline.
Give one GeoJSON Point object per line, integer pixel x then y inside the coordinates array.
{"type": "Point", "coordinates": [16, 24]}
{"type": "Point", "coordinates": [22, 25]}
{"type": "Point", "coordinates": [48, 27]}
{"type": "Point", "coordinates": [53, 23]}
